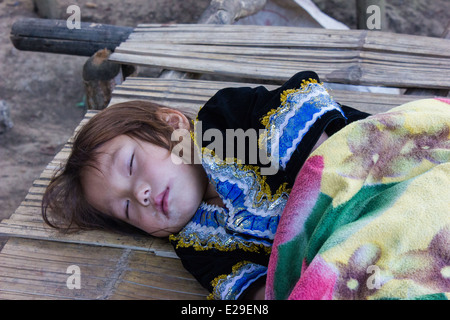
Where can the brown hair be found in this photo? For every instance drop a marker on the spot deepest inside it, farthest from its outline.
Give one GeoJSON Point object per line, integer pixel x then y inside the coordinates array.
{"type": "Point", "coordinates": [64, 195]}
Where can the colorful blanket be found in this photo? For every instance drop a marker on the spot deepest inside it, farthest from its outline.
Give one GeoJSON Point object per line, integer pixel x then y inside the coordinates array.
{"type": "Point", "coordinates": [369, 214]}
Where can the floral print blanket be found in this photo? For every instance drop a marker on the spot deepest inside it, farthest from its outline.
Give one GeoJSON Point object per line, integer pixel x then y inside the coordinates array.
{"type": "Point", "coordinates": [369, 214]}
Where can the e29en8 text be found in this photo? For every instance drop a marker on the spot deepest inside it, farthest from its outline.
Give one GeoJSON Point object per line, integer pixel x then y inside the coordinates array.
{"type": "Point", "coordinates": [247, 309]}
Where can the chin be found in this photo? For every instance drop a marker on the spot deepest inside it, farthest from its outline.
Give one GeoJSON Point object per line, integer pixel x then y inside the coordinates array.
{"type": "Point", "coordinates": [181, 216]}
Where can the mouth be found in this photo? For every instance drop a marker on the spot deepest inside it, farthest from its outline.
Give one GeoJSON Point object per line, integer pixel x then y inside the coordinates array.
{"type": "Point", "coordinates": [162, 202]}
{"type": "Point", "coordinates": [165, 202]}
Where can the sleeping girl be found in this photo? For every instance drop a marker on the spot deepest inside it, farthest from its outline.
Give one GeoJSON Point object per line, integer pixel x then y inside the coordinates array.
{"type": "Point", "coordinates": [219, 205]}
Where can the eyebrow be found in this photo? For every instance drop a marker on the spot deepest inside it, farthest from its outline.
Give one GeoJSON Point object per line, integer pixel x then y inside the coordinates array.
{"type": "Point", "coordinates": [114, 157]}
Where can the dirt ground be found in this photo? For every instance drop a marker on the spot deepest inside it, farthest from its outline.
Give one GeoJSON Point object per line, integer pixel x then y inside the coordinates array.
{"type": "Point", "coordinates": [44, 91]}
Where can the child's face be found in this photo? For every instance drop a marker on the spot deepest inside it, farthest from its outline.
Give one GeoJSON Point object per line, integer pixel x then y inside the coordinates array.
{"type": "Point", "coordinates": [140, 184]}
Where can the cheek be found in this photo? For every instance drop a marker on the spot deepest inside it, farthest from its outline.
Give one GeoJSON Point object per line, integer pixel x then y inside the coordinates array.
{"type": "Point", "coordinates": [155, 166]}
{"type": "Point", "coordinates": [190, 189]}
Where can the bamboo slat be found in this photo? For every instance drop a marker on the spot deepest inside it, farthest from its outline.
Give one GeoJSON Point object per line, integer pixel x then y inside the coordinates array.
{"type": "Point", "coordinates": [189, 95]}
{"type": "Point", "coordinates": [281, 36]}
{"type": "Point", "coordinates": [20, 226]}
{"type": "Point", "coordinates": [33, 269]}
{"type": "Point", "coordinates": [275, 53]}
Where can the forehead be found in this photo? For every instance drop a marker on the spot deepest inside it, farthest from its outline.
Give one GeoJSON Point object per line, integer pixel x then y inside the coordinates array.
{"type": "Point", "coordinates": [111, 147]}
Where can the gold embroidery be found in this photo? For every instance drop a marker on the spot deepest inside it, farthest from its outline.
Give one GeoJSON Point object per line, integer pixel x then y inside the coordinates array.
{"type": "Point", "coordinates": [285, 93]}
{"type": "Point", "coordinates": [261, 195]}
{"type": "Point", "coordinates": [305, 83]}
{"type": "Point", "coordinates": [265, 119]}
{"type": "Point", "coordinates": [222, 277]}
{"type": "Point", "coordinates": [214, 284]}
{"type": "Point", "coordinates": [283, 97]}
{"type": "Point", "coordinates": [212, 243]}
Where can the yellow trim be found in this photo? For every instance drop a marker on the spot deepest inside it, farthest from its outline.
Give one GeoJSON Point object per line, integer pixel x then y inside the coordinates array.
{"type": "Point", "coordinates": [283, 97]}
{"type": "Point", "coordinates": [197, 245]}
{"type": "Point", "coordinates": [285, 93]}
{"type": "Point", "coordinates": [214, 284]}
{"type": "Point", "coordinates": [305, 83]}
{"type": "Point", "coordinates": [265, 119]}
{"type": "Point", "coordinates": [217, 279]}
{"type": "Point", "coordinates": [243, 170]}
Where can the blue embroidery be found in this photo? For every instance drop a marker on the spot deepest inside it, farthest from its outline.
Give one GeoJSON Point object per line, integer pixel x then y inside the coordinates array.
{"type": "Point", "coordinates": [207, 230]}
{"type": "Point", "coordinates": [233, 285]}
{"type": "Point", "coordinates": [250, 211]}
{"type": "Point", "coordinates": [293, 119]}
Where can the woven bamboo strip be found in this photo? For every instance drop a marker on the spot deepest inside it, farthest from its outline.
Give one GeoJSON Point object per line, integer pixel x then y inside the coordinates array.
{"type": "Point", "coordinates": [353, 56]}
{"type": "Point", "coordinates": [279, 36]}
{"type": "Point", "coordinates": [33, 269]}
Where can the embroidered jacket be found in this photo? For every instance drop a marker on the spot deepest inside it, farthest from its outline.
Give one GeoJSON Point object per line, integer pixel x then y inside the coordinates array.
{"type": "Point", "coordinates": [227, 248]}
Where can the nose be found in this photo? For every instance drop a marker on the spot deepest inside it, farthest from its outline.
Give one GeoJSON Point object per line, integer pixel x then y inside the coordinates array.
{"type": "Point", "coordinates": [142, 194]}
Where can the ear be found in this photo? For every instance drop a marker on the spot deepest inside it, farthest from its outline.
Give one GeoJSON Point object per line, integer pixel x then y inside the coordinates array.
{"type": "Point", "coordinates": [174, 118]}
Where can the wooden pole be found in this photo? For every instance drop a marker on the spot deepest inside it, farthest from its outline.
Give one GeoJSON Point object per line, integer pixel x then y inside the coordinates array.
{"type": "Point", "coordinates": [371, 14]}
{"type": "Point", "coordinates": [100, 77]}
{"type": "Point", "coordinates": [45, 35]}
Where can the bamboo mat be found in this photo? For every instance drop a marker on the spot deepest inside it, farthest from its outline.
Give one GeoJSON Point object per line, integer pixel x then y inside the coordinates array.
{"type": "Point", "coordinates": [273, 53]}
{"type": "Point", "coordinates": [33, 262]}
{"type": "Point", "coordinates": [34, 269]}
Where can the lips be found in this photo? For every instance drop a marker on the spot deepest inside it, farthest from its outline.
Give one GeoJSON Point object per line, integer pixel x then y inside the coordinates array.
{"type": "Point", "coordinates": [162, 201]}
{"type": "Point", "coordinates": [165, 203]}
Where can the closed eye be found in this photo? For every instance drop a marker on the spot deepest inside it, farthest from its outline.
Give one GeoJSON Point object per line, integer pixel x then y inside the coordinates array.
{"type": "Point", "coordinates": [128, 201]}
{"type": "Point", "coordinates": [126, 209]}
{"type": "Point", "coordinates": [131, 163]}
